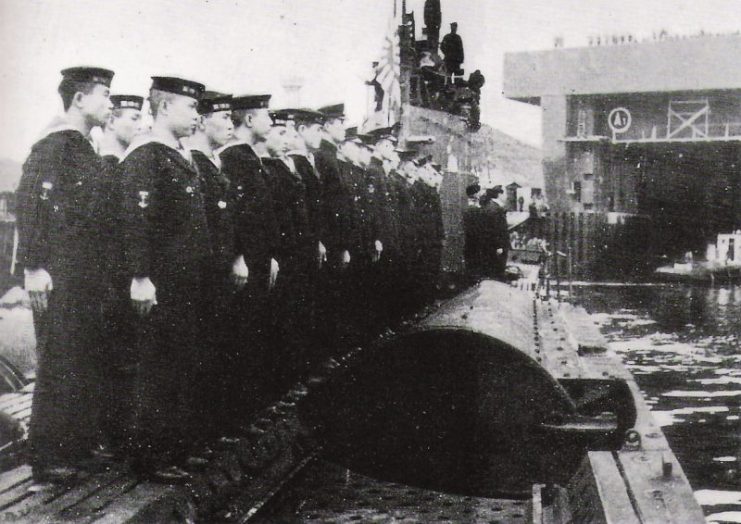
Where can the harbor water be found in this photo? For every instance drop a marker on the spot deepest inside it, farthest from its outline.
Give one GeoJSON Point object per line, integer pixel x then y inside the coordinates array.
{"type": "Point", "coordinates": [682, 343]}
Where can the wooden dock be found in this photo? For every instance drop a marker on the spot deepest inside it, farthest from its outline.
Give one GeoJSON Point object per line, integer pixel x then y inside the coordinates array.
{"type": "Point", "coordinates": [641, 482]}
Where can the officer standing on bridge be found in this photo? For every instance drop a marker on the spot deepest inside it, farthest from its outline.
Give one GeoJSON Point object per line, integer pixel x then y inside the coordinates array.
{"type": "Point", "coordinates": [452, 48]}
{"type": "Point", "coordinates": [168, 256]}
{"type": "Point", "coordinates": [59, 250]}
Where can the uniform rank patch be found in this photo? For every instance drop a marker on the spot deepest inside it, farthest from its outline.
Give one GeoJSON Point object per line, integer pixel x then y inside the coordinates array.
{"type": "Point", "coordinates": [45, 188]}
{"type": "Point", "coordinates": [143, 196]}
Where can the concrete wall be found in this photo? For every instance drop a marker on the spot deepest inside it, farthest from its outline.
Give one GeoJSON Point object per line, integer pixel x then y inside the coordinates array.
{"type": "Point", "coordinates": [709, 63]}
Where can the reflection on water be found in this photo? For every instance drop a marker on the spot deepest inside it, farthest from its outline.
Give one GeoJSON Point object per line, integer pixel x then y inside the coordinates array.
{"type": "Point", "coordinates": [682, 345]}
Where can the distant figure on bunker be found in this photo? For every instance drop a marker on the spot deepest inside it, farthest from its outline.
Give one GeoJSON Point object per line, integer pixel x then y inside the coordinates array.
{"type": "Point", "coordinates": [452, 48]}
{"type": "Point", "coordinates": [432, 23]}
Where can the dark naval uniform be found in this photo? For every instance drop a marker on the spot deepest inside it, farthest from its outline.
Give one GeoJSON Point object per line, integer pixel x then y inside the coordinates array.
{"type": "Point", "coordinates": [494, 235]}
{"type": "Point", "coordinates": [337, 203]}
{"type": "Point", "coordinates": [166, 239]}
{"type": "Point", "coordinates": [295, 256]}
{"type": "Point", "coordinates": [315, 229]}
{"type": "Point", "coordinates": [339, 231]}
{"type": "Point", "coordinates": [403, 213]}
{"type": "Point", "coordinates": [58, 232]}
{"type": "Point", "coordinates": [219, 315]}
{"type": "Point", "coordinates": [381, 226]}
{"type": "Point", "coordinates": [119, 317]}
{"type": "Point", "coordinates": [257, 237]}
{"type": "Point", "coordinates": [313, 187]}
{"type": "Point", "coordinates": [430, 236]}
{"type": "Point", "coordinates": [486, 231]}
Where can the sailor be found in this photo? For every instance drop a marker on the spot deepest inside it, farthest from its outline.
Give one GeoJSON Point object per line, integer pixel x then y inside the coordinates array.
{"type": "Point", "coordinates": [430, 233]}
{"type": "Point", "coordinates": [335, 234]}
{"type": "Point", "coordinates": [452, 48]}
{"type": "Point", "coordinates": [471, 228]}
{"type": "Point", "coordinates": [295, 251]}
{"type": "Point", "coordinates": [256, 239]}
{"type": "Point", "coordinates": [215, 130]}
{"type": "Point", "coordinates": [401, 180]}
{"type": "Point", "coordinates": [124, 124]}
{"type": "Point", "coordinates": [383, 226]}
{"type": "Point", "coordinates": [228, 271]}
{"type": "Point", "coordinates": [168, 256]}
{"type": "Point", "coordinates": [494, 241]}
{"type": "Point", "coordinates": [328, 166]}
{"type": "Point", "coordinates": [306, 141]}
{"type": "Point", "coordinates": [347, 195]}
{"type": "Point", "coordinates": [58, 249]}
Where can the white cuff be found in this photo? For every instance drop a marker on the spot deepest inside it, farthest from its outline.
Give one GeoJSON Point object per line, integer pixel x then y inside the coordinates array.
{"type": "Point", "coordinates": [37, 280]}
{"type": "Point", "coordinates": [239, 267]}
{"type": "Point", "coordinates": [142, 290]}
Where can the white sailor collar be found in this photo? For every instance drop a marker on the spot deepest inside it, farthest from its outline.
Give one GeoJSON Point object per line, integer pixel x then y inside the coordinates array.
{"type": "Point", "coordinates": [143, 140]}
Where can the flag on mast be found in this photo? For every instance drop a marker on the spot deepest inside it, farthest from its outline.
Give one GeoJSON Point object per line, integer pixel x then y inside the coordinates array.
{"type": "Point", "coordinates": [388, 73]}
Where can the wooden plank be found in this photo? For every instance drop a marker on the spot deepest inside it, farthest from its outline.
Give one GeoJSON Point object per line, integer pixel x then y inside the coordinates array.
{"type": "Point", "coordinates": [148, 503]}
{"type": "Point", "coordinates": [10, 398]}
{"type": "Point", "coordinates": [537, 504]}
{"type": "Point", "coordinates": [9, 479]}
{"type": "Point", "coordinates": [658, 499]}
{"type": "Point", "coordinates": [21, 405]}
{"type": "Point", "coordinates": [581, 325]}
{"type": "Point", "coordinates": [21, 402]}
{"type": "Point", "coordinates": [15, 494]}
{"type": "Point", "coordinates": [23, 508]}
{"type": "Point", "coordinates": [23, 415]}
{"type": "Point", "coordinates": [50, 511]}
{"type": "Point", "coordinates": [611, 489]}
{"type": "Point", "coordinates": [100, 499]}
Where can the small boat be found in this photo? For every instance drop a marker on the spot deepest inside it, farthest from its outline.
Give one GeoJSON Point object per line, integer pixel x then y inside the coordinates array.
{"type": "Point", "coordinates": [722, 263]}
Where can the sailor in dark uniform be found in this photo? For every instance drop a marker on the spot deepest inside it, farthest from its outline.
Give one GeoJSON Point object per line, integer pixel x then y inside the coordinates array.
{"type": "Point", "coordinates": [338, 251]}
{"type": "Point", "coordinates": [307, 139]}
{"type": "Point", "coordinates": [383, 227]}
{"type": "Point", "coordinates": [401, 180]}
{"type": "Point", "coordinates": [296, 254]}
{"type": "Point", "coordinates": [348, 196]}
{"type": "Point", "coordinates": [471, 232]}
{"type": "Point", "coordinates": [430, 233]}
{"type": "Point", "coordinates": [59, 251]}
{"type": "Point", "coordinates": [487, 235]}
{"type": "Point", "coordinates": [256, 239]}
{"type": "Point", "coordinates": [494, 241]}
{"type": "Point", "coordinates": [168, 255]}
{"type": "Point", "coordinates": [228, 271]}
{"type": "Point", "coordinates": [124, 124]}
{"type": "Point", "coordinates": [328, 166]}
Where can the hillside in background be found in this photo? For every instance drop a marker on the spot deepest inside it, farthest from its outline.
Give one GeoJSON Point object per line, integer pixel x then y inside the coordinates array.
{"type": "Point", "coordinates": [10, 174]}
{"type": "Point", "coordinates": [494, 156]}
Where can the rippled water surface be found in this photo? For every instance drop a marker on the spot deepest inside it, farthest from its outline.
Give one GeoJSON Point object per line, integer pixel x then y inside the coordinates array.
{"type": "Point", "coordinates": [682, 345]}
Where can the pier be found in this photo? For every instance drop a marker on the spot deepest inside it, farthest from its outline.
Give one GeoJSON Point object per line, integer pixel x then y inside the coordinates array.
{"type": "Point", "coordinates": [284, 469]}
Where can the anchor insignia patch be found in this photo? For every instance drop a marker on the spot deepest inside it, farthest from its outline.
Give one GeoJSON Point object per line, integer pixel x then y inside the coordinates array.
{"type": "Point", "coordinates": [143, 196]}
